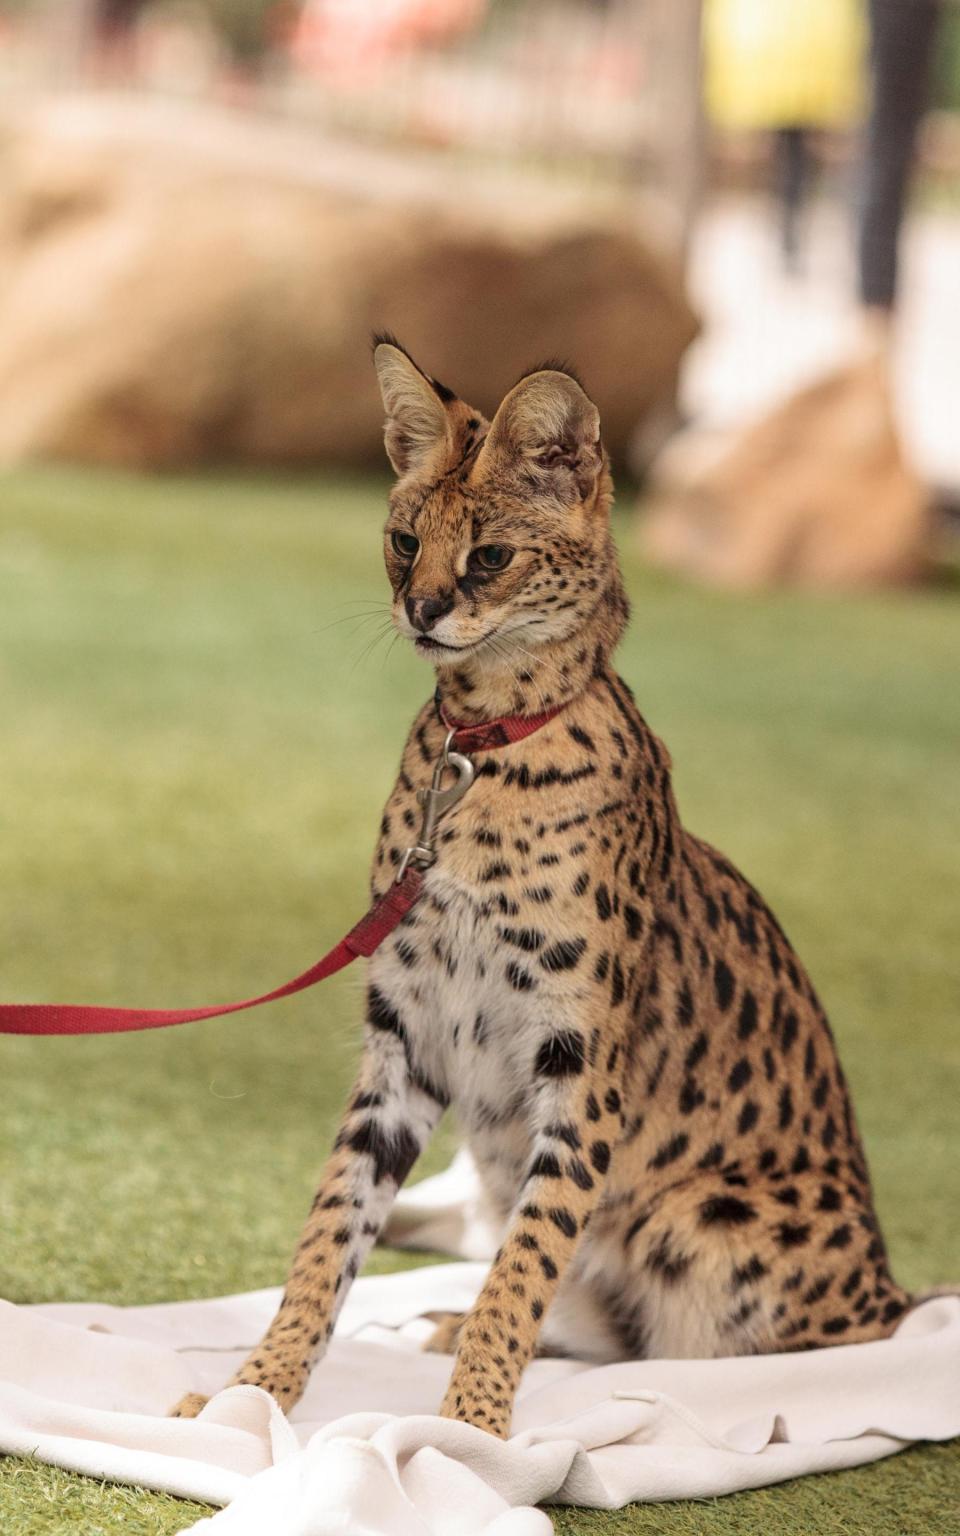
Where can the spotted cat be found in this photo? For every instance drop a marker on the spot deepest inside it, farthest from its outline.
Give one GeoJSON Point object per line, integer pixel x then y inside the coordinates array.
{"type": "Point", "coordinates": [636, 1055]}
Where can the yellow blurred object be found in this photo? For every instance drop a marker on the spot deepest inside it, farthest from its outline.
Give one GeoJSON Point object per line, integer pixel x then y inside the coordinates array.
{"type": "Point", "coordinates": [784, 63]}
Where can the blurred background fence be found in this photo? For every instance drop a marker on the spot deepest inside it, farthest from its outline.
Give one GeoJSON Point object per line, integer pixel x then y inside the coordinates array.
{"type": "Point", "coordinates": [668, 191]}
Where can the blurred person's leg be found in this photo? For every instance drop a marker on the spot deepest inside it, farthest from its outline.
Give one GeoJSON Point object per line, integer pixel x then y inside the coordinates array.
{"type": "Point", "coordinates": [112, 41]}
{"type": "Point", "coordinates": [902, 36]}
{"type": "Point", "coordinates": [792, 162]}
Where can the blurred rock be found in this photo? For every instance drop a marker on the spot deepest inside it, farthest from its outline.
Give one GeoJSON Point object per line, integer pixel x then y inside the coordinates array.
{"type": "Point", "coordinates": [179, 285]}
{"type": "Point", "coordinates": [818, 493]}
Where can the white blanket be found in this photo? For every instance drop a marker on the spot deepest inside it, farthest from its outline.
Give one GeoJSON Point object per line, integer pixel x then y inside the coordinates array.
{"type": "Point", "coordinates": [87, 1387]}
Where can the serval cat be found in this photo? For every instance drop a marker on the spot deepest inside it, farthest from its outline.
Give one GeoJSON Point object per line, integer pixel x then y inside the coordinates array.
{"type": "Point", "coordinates": [636, 1055]}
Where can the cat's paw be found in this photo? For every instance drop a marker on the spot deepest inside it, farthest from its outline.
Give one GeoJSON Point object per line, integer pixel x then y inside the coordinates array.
{"type": "Point", "coordinates": [189, 1406]}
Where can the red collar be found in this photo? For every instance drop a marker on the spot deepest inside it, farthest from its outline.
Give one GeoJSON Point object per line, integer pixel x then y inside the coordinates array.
{"type": "Point", "coordinates": [486, 734]}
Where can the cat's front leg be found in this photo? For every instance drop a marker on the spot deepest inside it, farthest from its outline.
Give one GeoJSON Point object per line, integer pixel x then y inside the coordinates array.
{"type": "Point", "coordinates": [579, 1122]}
{"type": "Point", "coordinates": [390, 1116]}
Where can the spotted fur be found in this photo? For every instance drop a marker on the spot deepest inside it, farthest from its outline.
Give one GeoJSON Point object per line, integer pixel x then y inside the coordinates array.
{"type": "Point", "coordinates": [636, 1055]}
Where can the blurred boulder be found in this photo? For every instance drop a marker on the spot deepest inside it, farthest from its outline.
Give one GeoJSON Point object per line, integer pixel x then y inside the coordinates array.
{"type": "Point", "coordinates": [180, 285]}
{"type": "Point", "coordinates": [818, 493]}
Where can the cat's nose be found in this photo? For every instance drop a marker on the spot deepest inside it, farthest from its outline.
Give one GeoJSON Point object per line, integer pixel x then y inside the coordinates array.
{"type": "Point", "coordinates": [423, 612]}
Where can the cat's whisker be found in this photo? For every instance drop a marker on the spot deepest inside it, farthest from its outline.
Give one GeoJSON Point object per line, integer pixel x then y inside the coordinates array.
{"type": "Point", "coordinates": [357, 619]}
{"type": "Point", "coordinates": [504, 658]}
{"type": "Point", "coordinates": [374, 610]}
{"type": "Point", "coordinates": [532, 683]}
{"type": "Point", "coordinates": [539, 661]}
{"type": "Point", "coordinates": [371, 645]}
{"type": "Point", "coordinates": [389, 650]}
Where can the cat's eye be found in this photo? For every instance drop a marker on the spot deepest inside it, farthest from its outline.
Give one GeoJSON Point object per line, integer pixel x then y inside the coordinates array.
{"type": "Point", "coordinates": [493, 557]}
{"type": "Point", "coordinates": [405, 544]}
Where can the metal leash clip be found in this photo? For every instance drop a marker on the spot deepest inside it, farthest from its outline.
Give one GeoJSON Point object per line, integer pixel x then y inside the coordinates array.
{"type": "Point", "coordinates": [436, 802]}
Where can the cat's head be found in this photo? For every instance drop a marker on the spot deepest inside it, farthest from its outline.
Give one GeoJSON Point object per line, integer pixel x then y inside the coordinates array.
{"type": "Point", "coordinates": [498, 539]}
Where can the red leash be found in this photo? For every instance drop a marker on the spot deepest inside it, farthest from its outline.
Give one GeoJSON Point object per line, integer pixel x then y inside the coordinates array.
{"type": "Point", "coordinates": [375, 926]}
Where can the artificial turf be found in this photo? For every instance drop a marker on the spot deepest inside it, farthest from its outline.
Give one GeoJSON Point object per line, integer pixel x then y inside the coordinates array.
{"type": "Point", "coordinates": [199, 727]}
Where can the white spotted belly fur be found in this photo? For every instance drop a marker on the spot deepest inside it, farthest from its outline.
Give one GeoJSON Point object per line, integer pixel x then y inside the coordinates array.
{"type": "Point", "coordinates": [475, 1036]}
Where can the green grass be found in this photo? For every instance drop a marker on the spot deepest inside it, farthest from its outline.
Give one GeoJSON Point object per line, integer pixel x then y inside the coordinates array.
{"type": "Point", "coordinates": [194, 756]}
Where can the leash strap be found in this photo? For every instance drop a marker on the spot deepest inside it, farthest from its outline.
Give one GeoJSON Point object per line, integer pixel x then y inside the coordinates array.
{"type": "Point", "coordinates": [375, 926]}
{"type": "Point", "coordinates": [69, 1019]}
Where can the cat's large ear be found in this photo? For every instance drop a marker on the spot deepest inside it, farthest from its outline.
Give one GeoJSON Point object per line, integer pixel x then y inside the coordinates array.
{"type": "Point", "coordinates": [551, 427]}
{"type": "Point", "coordinates": [417, 424]}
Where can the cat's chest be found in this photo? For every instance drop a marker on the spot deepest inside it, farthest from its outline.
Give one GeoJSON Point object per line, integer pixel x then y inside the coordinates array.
{"type": "Point", "coordinates": [471, 1011]}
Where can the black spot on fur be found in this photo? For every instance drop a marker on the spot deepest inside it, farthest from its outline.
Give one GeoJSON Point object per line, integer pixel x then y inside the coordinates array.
{"type": "Point", "coordinates": [696, 1052]}
{"type": "Point", "coordinates": [565, 1132]}
{"type": "Point", "coordinates": [840, 1237]}
{"type": "Point", "coordinates": [518, 978]}
{"type": "Point", "coordinates": [382, 1016]}
{"type": "Point", "coordinates": [527, 939]}
{"type": "Point", "coordinates": [564, 956]}
{"type": "Point", "coordinates": [746, 1274]}
{"type": "Point", "coordinates": [393, 1154]}
{"type": "Point", "coordinates": [747, 1021]}
{"type": "Point", "coordinates": [582, 737]}
{"type": "Point", "coordinates": [668, 1263]}
{"type": "Point", "coordinates": [749, 1115]}
{"type": "Point", "coordinates": [580, 1174]}
{"type": "Point", "coordinates": [726, 1210]}
{"type": "Point", "coordinates": [740, 1074]}
{"type": "Point", "coordinates": [792, 1236]}
{"type": "Point", "coordinates": [600, 1156]}
{"type": "Point", "coordinates": [632, 921]}
{"type": "Point", "coordinates": [617, 986]}
{"type": "Point", "coordinates": [637, 1225]}
{"type": "Point", "coordinates": [691, 1096]}
{"type": "Point", "coordinates": [561, 1055]}
{"type": "Point", "coordinates": [496, 871]}
{"type": "Point", "coordinates": [801, 1161]}
{"type": "Point", "coordinates": [723, 984]}
{"type": "Point", "coordinates": [670, 1151]}
{"type": "Point", "coordinates": [817, 1291]}
{"type": "Point", "coordinates": [684, 1008]}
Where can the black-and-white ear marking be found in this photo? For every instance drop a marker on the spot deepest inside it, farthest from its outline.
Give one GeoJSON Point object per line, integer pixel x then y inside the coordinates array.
{"type": "Point", "coordinates": [417, 423]}
{"type": "Point", "coordinates": [549, 422]}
